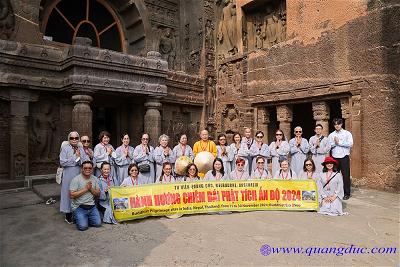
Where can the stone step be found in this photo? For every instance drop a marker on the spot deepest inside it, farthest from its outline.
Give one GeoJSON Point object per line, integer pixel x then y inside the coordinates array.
{"type": "Point", "coordinates": [46, 191]}
{"type": "Point", "coordinates": [11, 184]}
{"type": "Point", "coordinates": [15, 198]}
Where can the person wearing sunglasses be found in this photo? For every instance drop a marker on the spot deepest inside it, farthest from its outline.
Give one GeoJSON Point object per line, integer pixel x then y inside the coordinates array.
{"type": "Point", "coordinates": [260, 172]}
{"type": "Point", "coordinates": [224, 152]}
{"type": "Point", "coordinates": [71, 158]}
{"type": "Point", "coordinates": [298, 149]}
{"type": "Point", "coordinates": [259, 149]}
{"type": "Point", "coordinates": [192, 173]}
{"type": "Point", "coordinates": [240, 172]}
{"type": "Point", "coordinates": [309, 171]}
{"type": "Point", "coordinates": [279, 149]}
{"type": "Point", "coordinates": [84, 189]}
{"type": "Point", "coordinates": [85, 140]}
{"type": "Point", "coordinates": [319, 147]}
{"type": "Point", "coordinates": [144, 157]}
{"type": "Point", "coordinates": [104, 152]}
{"type": "Point", "coordinates": [284, 173]}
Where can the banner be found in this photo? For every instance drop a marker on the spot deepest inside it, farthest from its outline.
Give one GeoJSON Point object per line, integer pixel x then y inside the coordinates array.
{"type": "Point", "coordinates": [136, 202]}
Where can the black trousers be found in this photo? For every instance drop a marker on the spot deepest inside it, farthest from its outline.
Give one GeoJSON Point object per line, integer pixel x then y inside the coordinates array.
{"type": "Point", "coordinates": [344, 167]}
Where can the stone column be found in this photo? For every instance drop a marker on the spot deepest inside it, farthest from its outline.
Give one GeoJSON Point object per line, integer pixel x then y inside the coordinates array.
{"type": "Point", "coordinates": [152, 119]}
{"type": "Point", "coordinates": [82, 114]}
{"type": "Point", "coordinates": [262, 122]}
{"type": "Point", "coordinates": [356, 156]}
{"type": "Point", "coordinates": [284, 114]}
{"type": "Point", "coordinates": [345, 106]}
{"type": "Point", "coordinates": [19, 132]}
{"type": "Point", "coordinates": [321, 114]}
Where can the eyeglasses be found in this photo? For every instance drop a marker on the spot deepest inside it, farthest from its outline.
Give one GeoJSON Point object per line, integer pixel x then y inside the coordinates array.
{"type": "Point", "coordinates": [259, 136]}
{"type": "Point", "coordinates": [279, 134]}
{"type": "Point", "coordinates": [298, 131]}
{"type": "Point", "coordinates": [85, 141]}
{"type": "Point", "coordinates": [308, 164]}
{"type": "Point", "coordinates": [74, 138]}
{"type": "Point", "coordinates": [261, 162]}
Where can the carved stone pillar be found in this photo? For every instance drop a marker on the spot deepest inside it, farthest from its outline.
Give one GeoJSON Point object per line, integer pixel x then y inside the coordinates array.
{"type": "Point", "coordinates": [355, 118]}
{"type": "Point", "coordinates": [152, 119]}
{"type": "Point", "coordinates": [345, 106]}
{"type": "Point", "coordinates": [82, 114]}
{"type": "Point", "coordinates": [321, 114]}
{"type": "Point", "coordinates": [19, 132]}
{"type": "Point", "coordinates": [262, 122]}
{"type": "Point", "coordinates": [284, 114]}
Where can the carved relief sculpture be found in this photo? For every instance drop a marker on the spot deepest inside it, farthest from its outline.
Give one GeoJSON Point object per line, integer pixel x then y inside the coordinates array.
{"type": "Point", "coordinates": [209, 35]}
{"type": "Point", "coordinates": [271, 25]}
{"type": "Point", "coordinates": [227, 36]}
{"type": "Point", "coordinates": [231, 120]}
{"type": "Point", "coordinates": [211, 97]}
{"type": "Point", "coordinates": [7, 20]}
{"type": "Point", "coordinates": [43, 129]}
{"type": "Point", "coordinates": [167, 47]}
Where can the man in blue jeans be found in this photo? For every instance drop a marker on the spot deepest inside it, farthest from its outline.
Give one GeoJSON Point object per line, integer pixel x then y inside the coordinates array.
{"type": "Point", "coordinates": [83, 189]}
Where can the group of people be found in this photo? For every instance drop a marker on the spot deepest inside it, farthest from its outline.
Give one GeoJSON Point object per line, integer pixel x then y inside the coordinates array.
{"type": "Point", "coordinates": [245, 158]}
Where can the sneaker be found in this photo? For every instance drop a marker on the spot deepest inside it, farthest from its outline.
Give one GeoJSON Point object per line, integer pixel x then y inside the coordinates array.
{"type": "Point", "coordinates": [68, 218]}
{"type": "Point", "coordinates": [346, 197]}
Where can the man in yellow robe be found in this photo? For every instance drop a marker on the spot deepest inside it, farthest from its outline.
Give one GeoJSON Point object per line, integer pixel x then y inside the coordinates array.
{"type": "Point", "coordinates": [204, 144]}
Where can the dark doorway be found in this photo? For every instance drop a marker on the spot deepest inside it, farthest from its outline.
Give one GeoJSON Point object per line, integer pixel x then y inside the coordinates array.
{"type": "Point", "coordinates": [335, 112]}
{"type": "Point", "coordinates": [272, 125]}
{"type": "Point", "coordinates": [303, 117]}
{"type": "Point", "coordinates": [104, 119]}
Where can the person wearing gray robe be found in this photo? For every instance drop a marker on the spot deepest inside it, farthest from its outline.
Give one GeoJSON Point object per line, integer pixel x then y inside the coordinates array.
{"type": "Point", "coordinates": [163, 154]}
{"type": "Point", "coordinates": [226, 158]}
{"type": "Point", "coordinates": [124, 157]}
{"type": "Point", "coordinates": [261, 172]}
{"type": "Point", "coordinates": [144, 155]}
{"type": "Point", "coordinates": [71, 158]}
{"type": "Point", "coordinates": [217, 177]}
{"type": "Point", "coordinates": [104, 199]}
{"type": "Point", "coordinates": [331, 196]}
{"type": "Point", "coordinates": [259, 149]}
{"type": "Point", "coordinates": [319, 147]}
{"type": "Point", "coordinates": [279, 149]}
{"type": "Point", "coordinates": [183, 149]}
{"type": "Point", "coordinates": [298, 149]}
{"type": "Point", "coordinates": [104, 152]}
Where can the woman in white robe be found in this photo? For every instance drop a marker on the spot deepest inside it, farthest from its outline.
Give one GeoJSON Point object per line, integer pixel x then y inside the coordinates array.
{"type": "Point", "coordinates": [144, 157]}
{"type": "Point", "coordinates": [104, 152]}
{"type": "Point", "coordinates": [162, 154]}
{"type": "Point", "coordinates": [124, 158]}
{"type": "Point", "coordinates": [224, 153]}
{"type": "Point", "coordinates": [260, 172]}
{"type": "Point", "coordinates": [217, 173]}
{"type": "Point", "coordinates": [279, 149]}
{"type": "Point", "coordinates": [298, 150]}
{"type": "Point", "coordinates": [258, 148]}
{"type": "Point", "coordinates": [105, 182]}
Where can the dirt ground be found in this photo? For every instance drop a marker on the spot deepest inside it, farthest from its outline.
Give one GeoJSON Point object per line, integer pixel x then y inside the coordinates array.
{"type": "Point", "coordinates": [35, 234]}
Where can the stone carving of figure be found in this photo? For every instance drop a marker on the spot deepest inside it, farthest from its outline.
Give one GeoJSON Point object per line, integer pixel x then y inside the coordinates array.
{"type": "Point", "coordinates": [281, 26]}
{"type": "Point", "coordinates": [227, 36]}
{"type": "Point", "coordinates": [211, 97]}
{"type": "Point", "coordinates": [7, 20]}
{"type": "Point", "coordinates": [232, 122]}
{"type": "Point", "coordinates": [19, 166]}
{"type": "Point", "coordinates": [209, 34]}
{"type": "Point", "coordinates": [271, 22]}
{"type": "Point", "coordinates": [167, 47]}
{"type": "Point", "coordinates": [259, 37]}
{"type": "Point", "coordinates": [43, 128]}
{"type": "Point", "coordinates": [223, 79]}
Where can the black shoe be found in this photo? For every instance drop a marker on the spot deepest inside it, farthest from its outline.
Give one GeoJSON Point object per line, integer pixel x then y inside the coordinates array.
{"type": "Point", "coordinates": [68, 218]}
{"type": "Point", "coordinates": [346, 197]}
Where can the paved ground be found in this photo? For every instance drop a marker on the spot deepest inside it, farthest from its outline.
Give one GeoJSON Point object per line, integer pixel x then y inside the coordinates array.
{"type": "Point", "coordinates": [36, 235]}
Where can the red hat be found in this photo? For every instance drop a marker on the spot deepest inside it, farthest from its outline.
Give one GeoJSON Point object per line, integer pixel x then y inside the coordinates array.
{"type": "Point", "coordinates": [330, 160]}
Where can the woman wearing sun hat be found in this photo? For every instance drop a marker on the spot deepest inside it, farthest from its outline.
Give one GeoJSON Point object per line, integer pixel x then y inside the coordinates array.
{"type": "Point", "coordinates": [330, 188]}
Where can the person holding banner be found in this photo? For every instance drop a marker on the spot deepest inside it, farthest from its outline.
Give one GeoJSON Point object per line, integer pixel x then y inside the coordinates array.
{"type": "Point", "coordinates": [239, 173]}
{"type": "Point", "coordinates": [204, 144]}
{"type": "Point", "coordinates": [309, 171]}
{"type": "Point", "coordinates": [284, 173]}
{"type": "Point", "coordinates": [144, 157]}
{"type": "Point", "coordinates": [298, 149]}
{"type": "Point", "coordinates": [192, 173]}
{"type": "Point", "coordinates": [162, 154]}
{"type": "Point", "coordinates": [330, 188]}
{"type": "Point", "coordinates": [260, 172]}
{"type": "Point", "coordinates": [217, 173]}
{"type": "Point", "coordinates": [224, 153]}
{"type": "Point", "coordinates": [104, 152]}
{"type": "Point", "coordinates": [166, 174]}
{"type": "Point", "coordinates": [124, 158]}
{"type": "Point", "coordinates": [258, 148]}
{"type": "Point", "coordinates": [183, 149]}
{"type": "Point", "coordinates": [105, 182]}
{"type": "Point", "coordinates": [278, 149]}
{"type": "Point", "coordinates": [133, 178]}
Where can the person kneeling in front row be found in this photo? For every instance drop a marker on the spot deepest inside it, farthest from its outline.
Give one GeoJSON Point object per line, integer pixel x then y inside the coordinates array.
{"type": "Point", "coordinates": [83, 190]}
